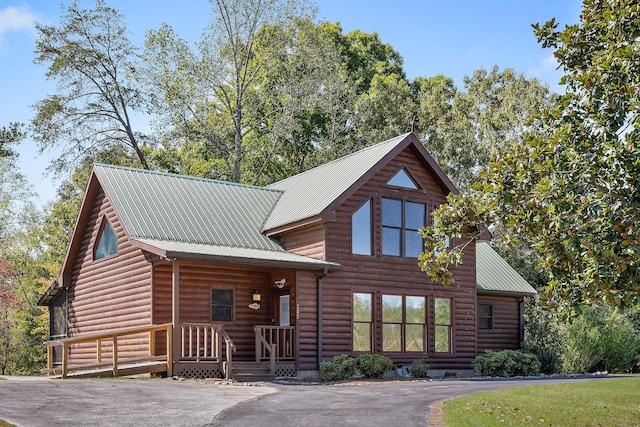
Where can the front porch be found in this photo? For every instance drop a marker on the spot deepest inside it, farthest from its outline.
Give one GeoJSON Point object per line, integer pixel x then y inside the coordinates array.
{"type": "Point", "coordinates": [201, 351]}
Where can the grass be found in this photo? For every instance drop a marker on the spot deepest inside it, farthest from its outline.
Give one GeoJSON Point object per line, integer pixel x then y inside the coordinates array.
{"type": "Point", "coordinates": [3, 423]}
{"type": "Point", "coordinates": [589, 403]}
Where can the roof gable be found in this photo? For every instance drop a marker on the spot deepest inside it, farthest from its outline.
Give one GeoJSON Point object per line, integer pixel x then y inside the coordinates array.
{"type": "Point", "coordinates": [311, 193]}
{"type": "Point", "coordinates": [169, 207]}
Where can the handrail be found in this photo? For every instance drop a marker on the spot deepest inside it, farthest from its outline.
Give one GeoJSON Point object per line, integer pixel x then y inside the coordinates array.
{"type": "Point", "coordinates": [230, 346]}
{"type": "Point", "coordinates": [270, 347]}
{"type": "Point", "coordinates": [113, 335]}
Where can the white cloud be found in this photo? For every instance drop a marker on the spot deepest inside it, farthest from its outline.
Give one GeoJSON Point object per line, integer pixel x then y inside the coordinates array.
{"type": "Point", "coordinates": [15, 19]}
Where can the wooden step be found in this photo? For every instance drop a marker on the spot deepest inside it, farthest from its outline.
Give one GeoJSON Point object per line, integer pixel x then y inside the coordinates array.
{"type": "Point", "coordinates": [251, 371]}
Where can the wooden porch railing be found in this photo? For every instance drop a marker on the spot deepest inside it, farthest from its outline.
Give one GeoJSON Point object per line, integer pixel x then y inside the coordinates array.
{"type": "Point", "coordinates": [203, 342]}
{"type": "Point", "coordinates": [275, 343]}
{"type": "Point", "coordinates": [116, 361]}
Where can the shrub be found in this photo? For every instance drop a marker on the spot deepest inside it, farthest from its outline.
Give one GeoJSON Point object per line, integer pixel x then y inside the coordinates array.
{"type": "Point", "coordinates": [506, 363]}
{"type": "Point", "coordinates": [542, 336]}
{"type": "Point", "coordinates": [343, 367]}
{"type": "Point", "coordinates": [419, 369]}
{"type": "Point", "coordinates": [373, 365]}
{"type": "Point", "coordinates": [600, 339]}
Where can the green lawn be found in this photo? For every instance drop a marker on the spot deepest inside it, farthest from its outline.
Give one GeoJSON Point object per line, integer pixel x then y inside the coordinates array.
{"type": "Point", "coordinates": [3, 423]}
{"type": "Point", "coordinates": [589, 403]}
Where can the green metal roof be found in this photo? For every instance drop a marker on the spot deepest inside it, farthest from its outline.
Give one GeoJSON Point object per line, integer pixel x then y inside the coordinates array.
{"type": "Point", "coordinates": [495, 275]}
{"type": "Point", "coordinates": [307, 194]}
{"type": "Point", "coordinates": [169, 207]}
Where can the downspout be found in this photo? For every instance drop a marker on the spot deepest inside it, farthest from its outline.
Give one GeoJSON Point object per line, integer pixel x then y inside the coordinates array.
{"type": "Point", "coordinates": [320, 277]}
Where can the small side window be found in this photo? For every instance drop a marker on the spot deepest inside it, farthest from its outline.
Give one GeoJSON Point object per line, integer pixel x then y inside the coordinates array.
{"type": "Point", "coordinates": [485, 316]}
{"type": "Point", "coordinates": [107, 242]}
{"type": "Point", "coordinates": [221, 305]}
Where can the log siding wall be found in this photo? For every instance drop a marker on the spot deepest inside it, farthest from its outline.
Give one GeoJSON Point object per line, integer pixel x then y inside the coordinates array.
{"type": "Point", "coordinates": [380, 274]}
{"type": "Point", "coordinates": [109, 293]}
{"type": "Point", "coordinates": [505, 333]}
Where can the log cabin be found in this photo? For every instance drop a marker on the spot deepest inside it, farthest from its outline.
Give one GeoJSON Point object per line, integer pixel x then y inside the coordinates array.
{"type": "Point", "coordinates": [206, 278]}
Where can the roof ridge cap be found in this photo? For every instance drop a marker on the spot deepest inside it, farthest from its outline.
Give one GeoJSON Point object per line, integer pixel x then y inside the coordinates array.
{"type": "Point", "coordinates": [186, 177]}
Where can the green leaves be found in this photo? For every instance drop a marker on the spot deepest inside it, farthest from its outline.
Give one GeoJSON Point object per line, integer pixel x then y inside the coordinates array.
{"type": "Point", "coordinates": [569, 186]}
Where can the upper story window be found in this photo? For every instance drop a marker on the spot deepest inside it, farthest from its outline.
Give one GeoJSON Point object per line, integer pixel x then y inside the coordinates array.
{"type": "Point", "coordinates": [107, 242]}
{"type": "Point", "coordinates": [403, 179]}
{"type": "Point", "coordinates": [361, 230]}
{"type": "Point", "coordinates": [401, 222]}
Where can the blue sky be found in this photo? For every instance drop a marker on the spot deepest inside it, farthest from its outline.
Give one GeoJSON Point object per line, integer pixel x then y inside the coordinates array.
{"type": "Point", "coordinates": [452, 37]}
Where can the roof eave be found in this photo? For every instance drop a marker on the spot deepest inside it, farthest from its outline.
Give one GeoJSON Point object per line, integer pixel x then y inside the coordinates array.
{"type": "Point", "coordinates": [332, 266]}
{"type": "Point", "coordinates": [481, 291]}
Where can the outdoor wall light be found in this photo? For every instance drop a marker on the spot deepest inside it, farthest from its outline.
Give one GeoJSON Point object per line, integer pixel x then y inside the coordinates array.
{"type": "Point", "coordinates": [255, 295]}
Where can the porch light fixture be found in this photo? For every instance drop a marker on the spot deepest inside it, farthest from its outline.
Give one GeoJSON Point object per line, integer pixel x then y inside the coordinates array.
{"type": "Point", "coordinates": [255, 295]}
{"type": "Point", "coordinates": [280, 283]}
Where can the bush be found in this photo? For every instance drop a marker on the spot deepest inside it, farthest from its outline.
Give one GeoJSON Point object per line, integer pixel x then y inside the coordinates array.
{"type": "Point", "coordinates": [373, 365]}
{"type": "Point", "coordinates": [542, 336]}
{"type": "Point", "coordinates": [343, 367]}
{"type": "Point", "coordinates": [506, 363]}
{"type": "Point", "coordinates": [419, 369]}
{"type": "Point", "coordinates": [600, 339]}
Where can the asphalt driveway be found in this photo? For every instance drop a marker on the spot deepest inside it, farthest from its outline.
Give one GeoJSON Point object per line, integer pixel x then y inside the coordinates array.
{"type": "Point", "coordinates": [154, 402]}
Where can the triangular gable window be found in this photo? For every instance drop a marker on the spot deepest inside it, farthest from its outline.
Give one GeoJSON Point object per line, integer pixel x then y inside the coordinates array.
{"type": "Point", "coordinates": [107, 242]}
{"type": "Point", "coordinates": [403, 179]}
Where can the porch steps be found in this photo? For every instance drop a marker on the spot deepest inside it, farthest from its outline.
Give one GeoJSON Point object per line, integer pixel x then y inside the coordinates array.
{"type": "Point", "coordinates": [251, 371]}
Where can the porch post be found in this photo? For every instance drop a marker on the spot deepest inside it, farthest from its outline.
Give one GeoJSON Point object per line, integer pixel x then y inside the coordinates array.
{"type": "Point", "coordinates": [175, 310]}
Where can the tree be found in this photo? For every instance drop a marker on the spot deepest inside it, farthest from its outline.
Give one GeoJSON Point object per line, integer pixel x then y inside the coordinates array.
{"type": "Point", "coordinates": [464, 129]}
{"type": "Point", "coordinates": [213, 97]}
{"type": "Point", "coordinates": [21, 333]}
{"type": "Point", "coordinates": [10, 135]}
{"type": "Point", "coordinates": [95, 66]}
{"type": "Point", "coordinates": [570, 186]}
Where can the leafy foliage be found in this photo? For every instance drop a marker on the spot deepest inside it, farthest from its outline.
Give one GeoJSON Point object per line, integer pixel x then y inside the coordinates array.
{"type": "Point", "coordinates": [542, 336]}
{"type": "Point", "coordinates": [373, 365]}
{"type": "Point", "coordinates": [600, 340]}
{"type": "Point", "coordinates": [12, 134]}
{"type": "Point", "coordinates": [419, 368]}
{"type": "Point", "coordinates": [343, 367]}
{"type": "Point", "coordinates": [506, 363]}
{"type": "Point", "coordinates": [95, 66]}
{"type": "Point", "coordinates": [569, 187]}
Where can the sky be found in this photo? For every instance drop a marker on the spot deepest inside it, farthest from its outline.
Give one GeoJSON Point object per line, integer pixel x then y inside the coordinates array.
{"type": "Point", "coordinates": [453, 37]}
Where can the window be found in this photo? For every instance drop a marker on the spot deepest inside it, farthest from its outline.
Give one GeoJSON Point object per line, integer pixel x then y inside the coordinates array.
{"type": "Point", "coordinates": [443, 325]}
{"type": "Point", "coordinates": [485, 316]}
{"type": "Point", "coordinates": [285, 306]}
{"type": "Point", "coordinates": [362, 320]}
{"type": "Point", "coordinates": [403, 179]}
{"type": "Point", "coordinates": [107, 242]}
{"type": "Point", "coordinates": [403, 323]}
{"type": "Point", "coordinates": [221, 305]}
{"type": "Point", "coordinates": [401, 222]}
{"type": "Point", "coordinates": [361, 230]}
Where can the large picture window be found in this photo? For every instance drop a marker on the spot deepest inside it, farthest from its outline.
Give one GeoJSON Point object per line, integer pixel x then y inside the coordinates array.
{"type": "Point", "coordinates": [362, 321]}
{"type": "Point", "coordinates": [443, 325]}
{"type": "Point", "coordinates": [361, 230]}
{"type": "Point", "coordinates": [401, 222]}
{"type": "Point", "coordinates": [221, 305]}
{"type": "Point", "coordinates": [403, 323]}
{"type": "Point", "coordinates": [107, 242]}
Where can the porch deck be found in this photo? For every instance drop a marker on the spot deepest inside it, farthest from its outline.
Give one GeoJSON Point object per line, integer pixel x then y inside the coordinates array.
{"type": "Point", "coordinates": [204, 351]}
